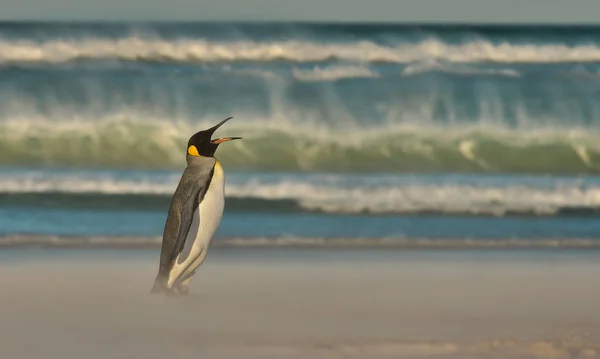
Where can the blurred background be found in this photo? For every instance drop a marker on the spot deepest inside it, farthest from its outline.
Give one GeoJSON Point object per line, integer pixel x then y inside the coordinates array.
{"type": "Point", "coordinates": [402, 129]}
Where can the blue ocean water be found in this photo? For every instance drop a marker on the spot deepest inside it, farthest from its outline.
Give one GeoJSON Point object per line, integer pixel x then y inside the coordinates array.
{"type": "Point", "coordinates": [354, 134]}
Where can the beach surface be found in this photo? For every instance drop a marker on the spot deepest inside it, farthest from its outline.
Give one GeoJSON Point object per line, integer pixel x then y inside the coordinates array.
{"type": "Point", "coordinates": [302, 304]}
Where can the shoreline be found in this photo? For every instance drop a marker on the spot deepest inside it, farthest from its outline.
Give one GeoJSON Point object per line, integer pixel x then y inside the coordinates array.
{"type": "Point", "coordinates": [128, 242]}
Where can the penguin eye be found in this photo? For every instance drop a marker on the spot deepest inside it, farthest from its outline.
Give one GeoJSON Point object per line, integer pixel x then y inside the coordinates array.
{"type": "Point", "coordinates": [193, 151]}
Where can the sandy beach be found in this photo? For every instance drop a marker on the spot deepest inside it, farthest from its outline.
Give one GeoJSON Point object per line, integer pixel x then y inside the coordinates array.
{"type": "Point", "coordinates": [265, 304]}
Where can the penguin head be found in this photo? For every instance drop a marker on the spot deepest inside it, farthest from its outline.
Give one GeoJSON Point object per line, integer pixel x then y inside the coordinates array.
{"type": "Point", "coordinates": [201, 144]}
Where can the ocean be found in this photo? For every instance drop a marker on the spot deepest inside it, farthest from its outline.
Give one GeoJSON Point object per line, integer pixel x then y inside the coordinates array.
{"type": "Point", "coordinates": [355, 135]}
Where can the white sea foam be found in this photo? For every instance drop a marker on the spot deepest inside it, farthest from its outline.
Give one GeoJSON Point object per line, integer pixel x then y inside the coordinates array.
{"type": "Point", "coordinates": [421, 67]}
{"type": "Point", "coordinates": [337, 194]}
{"type": "Point", "coordinates": [201, 50]}
{"type": "Point", "coordinates": [332, 73]}
{"type": "Point", "coordinates": [416, 197]}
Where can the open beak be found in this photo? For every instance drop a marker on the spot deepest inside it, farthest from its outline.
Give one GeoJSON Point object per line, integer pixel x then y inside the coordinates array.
{"type": "Point", "coordinates": [224, 139]}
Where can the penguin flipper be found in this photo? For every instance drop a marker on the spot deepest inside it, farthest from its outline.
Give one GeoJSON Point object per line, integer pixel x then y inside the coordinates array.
{"type": "Point", "coordinates": [187, 213]}
{"type": "Point", "coordinates": [189, 194]}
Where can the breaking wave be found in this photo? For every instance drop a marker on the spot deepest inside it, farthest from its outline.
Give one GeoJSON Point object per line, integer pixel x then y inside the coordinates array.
{"type": "Point", "coordinates": [277, 146]}
{"type": "Point", "coordinates": [367, 195]}
{"type": "Point", "coordinates": [465, 99]}
{"type": "Point", "coordinates": [203, 50]}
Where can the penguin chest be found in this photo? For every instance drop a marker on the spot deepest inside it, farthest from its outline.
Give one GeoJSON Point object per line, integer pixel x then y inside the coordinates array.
{"type": "Point", "coordinates": [206, 220]}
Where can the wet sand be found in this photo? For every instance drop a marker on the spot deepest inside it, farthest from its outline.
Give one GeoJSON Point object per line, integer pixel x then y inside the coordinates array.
{"type": "Point", "coordinates": [269, 304]}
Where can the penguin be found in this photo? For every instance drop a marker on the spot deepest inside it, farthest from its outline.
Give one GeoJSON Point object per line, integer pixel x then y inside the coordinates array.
{"type": "Point", "coordinates": [194, 214]}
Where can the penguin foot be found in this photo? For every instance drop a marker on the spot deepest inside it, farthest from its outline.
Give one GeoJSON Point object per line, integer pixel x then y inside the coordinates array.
{"type": "Point", "coordinates": [183, 290]}
{"type": "Point", "coordinates": [171, 293]}
{"type": "Point", "coordinates": [183, 286]}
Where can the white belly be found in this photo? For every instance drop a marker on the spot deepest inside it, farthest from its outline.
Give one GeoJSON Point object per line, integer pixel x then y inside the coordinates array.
{"type": "Point", "coordinates": [206, 220]}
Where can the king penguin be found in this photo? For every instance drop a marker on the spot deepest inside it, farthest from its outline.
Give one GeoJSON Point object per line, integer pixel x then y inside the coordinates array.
{"type": "Point", "coordinates": [194, 215]}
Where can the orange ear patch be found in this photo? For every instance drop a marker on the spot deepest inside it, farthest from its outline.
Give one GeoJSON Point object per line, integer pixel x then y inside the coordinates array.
{"type": "Point", "coordinates": [193, 151]}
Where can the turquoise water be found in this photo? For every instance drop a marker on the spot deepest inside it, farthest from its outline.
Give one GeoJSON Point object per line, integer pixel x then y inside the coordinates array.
{"type": "Point", "coordinates": [354, 135]}
{"type": "Point", "coordinates": [111, 207]}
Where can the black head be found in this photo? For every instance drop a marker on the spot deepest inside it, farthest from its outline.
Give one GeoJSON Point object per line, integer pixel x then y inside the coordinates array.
{"type": "Point", "coordinates": [201, 144]}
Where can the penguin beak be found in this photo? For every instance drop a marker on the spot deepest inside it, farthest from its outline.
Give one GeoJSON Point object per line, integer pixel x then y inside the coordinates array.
{"type": "Point", "coordinates": [215, 127]}
{"type": "Point", "coordinates": [224, 139]}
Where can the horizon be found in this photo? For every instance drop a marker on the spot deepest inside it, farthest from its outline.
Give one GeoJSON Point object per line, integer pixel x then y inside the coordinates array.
{"type": "Point", "coordinates": [329, 11]}
{"type": "Point", "coordinates": [300, 22]}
